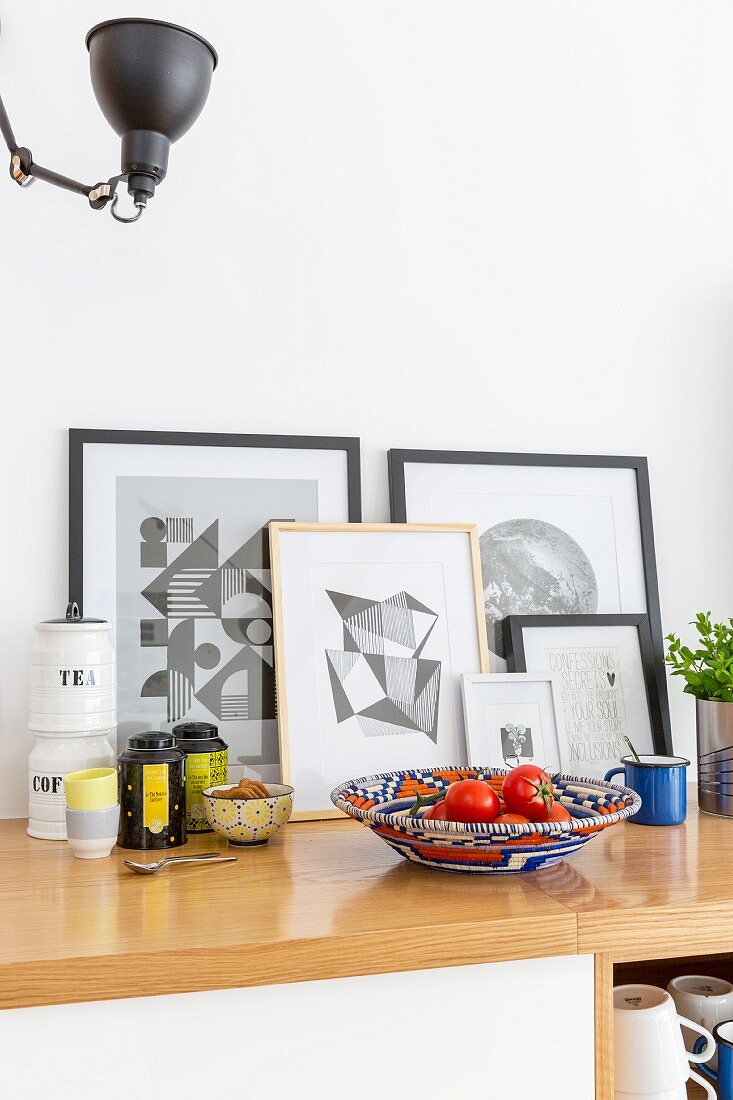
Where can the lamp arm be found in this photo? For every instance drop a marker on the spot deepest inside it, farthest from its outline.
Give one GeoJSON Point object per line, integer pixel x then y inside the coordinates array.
{"type": "Point", "coordinates": [24, 170]}
{"type": "Point", "coordinates": [37, 171]}
{"type": "Point", "coordinates": [6, 129]}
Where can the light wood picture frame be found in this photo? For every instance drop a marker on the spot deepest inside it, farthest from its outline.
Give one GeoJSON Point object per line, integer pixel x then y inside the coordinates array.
{"type": "Point", "coordinates": [405, 603]}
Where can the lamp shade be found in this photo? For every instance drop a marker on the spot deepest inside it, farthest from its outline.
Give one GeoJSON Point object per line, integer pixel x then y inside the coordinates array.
{"type": "Point", "coordinates": [151, 81]}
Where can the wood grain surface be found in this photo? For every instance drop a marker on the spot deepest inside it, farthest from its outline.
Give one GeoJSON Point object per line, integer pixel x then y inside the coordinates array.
{"type": "Point", "coordinates": [321, 900]}
{"type": "Point", "coordinates": [604, 983]}
{"type": "Point", "coordinates": [645, 893]}
{"type": "Point", "coordinates": [328, 899]}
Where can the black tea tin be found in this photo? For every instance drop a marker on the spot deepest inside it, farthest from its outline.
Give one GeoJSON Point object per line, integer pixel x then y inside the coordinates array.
{"type": "Point", "coordinates": [206, 766]}
{"type": "Point", "coordinates": [152, 793]}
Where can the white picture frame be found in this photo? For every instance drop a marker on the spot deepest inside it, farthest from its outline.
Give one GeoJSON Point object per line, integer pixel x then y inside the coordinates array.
{"type": "Point", "coordinates": [505, 711]}
{"type": "Point", "coordinates": [374, 624]}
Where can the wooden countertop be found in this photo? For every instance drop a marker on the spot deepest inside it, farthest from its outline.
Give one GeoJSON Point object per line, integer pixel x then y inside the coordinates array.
{"type": "Point", "coordinates": [321, 900]}
{"type": "Point", "coordinates": [646, 893]}
{"type": "Point", "coordinates": [328, 899]}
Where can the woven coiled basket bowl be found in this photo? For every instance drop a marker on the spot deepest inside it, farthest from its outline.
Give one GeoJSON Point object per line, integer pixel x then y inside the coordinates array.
{"type": "Point", "coordinates": [382, 802]}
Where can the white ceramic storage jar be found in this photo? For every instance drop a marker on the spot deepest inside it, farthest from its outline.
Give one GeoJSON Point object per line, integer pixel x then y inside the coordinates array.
{"type": "Point", "coordinates": [71, 712]}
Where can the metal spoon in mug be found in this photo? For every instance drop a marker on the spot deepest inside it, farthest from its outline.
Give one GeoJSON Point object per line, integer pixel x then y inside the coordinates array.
{"type": "Point", "coordinates": [202, 857]}
{"type": "Point", "coordinates": [633, 750]}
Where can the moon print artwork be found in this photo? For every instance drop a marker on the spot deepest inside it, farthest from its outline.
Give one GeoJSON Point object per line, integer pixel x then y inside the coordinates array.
{"type": "Point", "coordinates": [532, 567]}
{"type": "Point", "coordinates": [559, 534]}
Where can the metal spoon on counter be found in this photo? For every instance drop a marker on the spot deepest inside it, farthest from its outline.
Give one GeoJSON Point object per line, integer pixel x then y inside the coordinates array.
{"type": "Point", "coordinates": [158, 865]}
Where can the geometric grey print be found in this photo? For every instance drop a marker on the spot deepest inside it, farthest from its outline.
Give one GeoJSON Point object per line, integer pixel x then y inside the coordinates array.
{"type": "Point", "coordinates": [343, 662]}
{"type": "Point", "coordinates": [178, 529]}
{"type": "Point", "coordinates": [371, 728]}
{"type": "Point", "coordinates": [366, 630]}
{"type": "Point", "coordinates": [423, 709]}
{"type": "Point", "coordinates": [381, 677]}
{"type": "Point", "coordinates": [397, 621]}
{"type": "Point", "coordinates": [233, 583]}
{"type": "Point", "coordinates": [193, 604]}
{"type": "Point", "coordinates": [197, 586]}
{"type": "Point", "coordinates": [180, 694]}
{"type": "Point", "coordinates": [234, 707]}
{"type": "Point", "coordinates": [401, 673]}
{"type": "Point", "coordinates": [183, 601]}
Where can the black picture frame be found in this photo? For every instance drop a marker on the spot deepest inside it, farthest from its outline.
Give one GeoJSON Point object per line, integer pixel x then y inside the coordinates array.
{"type": "Point", "coordinates": [399, 458]}
{"type": "Point", "coordinates": [167, 695]}
{"type": "Point", "coordinates": [81, 437]}
{"type": "Point", "coordinates": [514, 626]}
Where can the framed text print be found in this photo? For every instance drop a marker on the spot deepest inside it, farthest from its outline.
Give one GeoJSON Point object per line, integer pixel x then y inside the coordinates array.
{"type": "Point", "coordinates": [168, 540]}
{"type": "Point", "coordinates": [603, 669]}
{"type": "Point", "coordinates": [511, 719]}
{"type": "Point", "coordinates": [374, 625]}
{"type": "Point", "coordinates": [559, 534]}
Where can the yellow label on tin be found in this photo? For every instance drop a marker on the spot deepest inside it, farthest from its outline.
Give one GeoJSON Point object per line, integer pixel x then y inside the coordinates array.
{"type": "Point", "coordinates": [203, 769]}
{"type": "Point", "coordinates": [155, 797]}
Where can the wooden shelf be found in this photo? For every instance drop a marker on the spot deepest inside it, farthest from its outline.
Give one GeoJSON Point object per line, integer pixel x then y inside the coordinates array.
{"type": "Point", "coordinates": [645, 893]}
{"type": "Point", "coordinates": [328, 899]}
{"type": "Point", "coordinates": [321, 900]}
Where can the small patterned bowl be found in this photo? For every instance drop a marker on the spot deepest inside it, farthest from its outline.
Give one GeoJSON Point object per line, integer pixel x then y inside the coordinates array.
{"type": "Point", "coordinates": [381, 802]}
{"type": "Point", "coordinates": [249, 820]}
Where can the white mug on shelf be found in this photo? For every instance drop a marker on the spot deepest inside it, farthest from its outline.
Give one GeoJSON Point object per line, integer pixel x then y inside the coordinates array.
{"type": "Point", "coordinates": [650, 1060]}
{"type": "Point", "coordinates": [709, 1001]}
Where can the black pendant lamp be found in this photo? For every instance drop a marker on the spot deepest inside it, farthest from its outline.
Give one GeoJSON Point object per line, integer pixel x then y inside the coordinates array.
{"type": "Point", "coordinates": [151, 81]}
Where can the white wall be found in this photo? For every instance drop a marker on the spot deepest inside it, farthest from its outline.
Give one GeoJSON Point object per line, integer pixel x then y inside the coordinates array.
{"type": "Point", "coordinates": [497, 224]}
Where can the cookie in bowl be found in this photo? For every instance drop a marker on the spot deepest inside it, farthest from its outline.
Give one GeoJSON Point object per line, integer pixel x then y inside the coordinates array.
{"type": "Point", "coordinates": [249, 813]}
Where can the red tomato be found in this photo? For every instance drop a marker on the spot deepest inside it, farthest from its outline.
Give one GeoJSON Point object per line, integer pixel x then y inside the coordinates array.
{"type": "Point", "coordinates": [528, 790]}
{"type": "Point", "coordinates": [511, 819]}
{"type": "Point", "coordinates": [471, 800]}
{"type": "Point", "coordinates": [436, 812]}
{"type": "Point", "coordinates": [560, 813]}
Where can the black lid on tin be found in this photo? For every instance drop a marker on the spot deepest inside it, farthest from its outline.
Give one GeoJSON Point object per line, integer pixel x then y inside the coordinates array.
{"type": "Point", "coordinates": [152, 740]}
{"type": "Point", "coordinates": [195, 731]}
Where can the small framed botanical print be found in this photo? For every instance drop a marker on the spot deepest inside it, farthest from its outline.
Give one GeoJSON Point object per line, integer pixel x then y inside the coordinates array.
{"type": "Point", "coordinates": [168, 540]}
{"type": "Point", "coordinates": [603, 669]}
{"type": "Point", "coordinates": [511, 719]}
{"type": "Point", "coordinates": [559, 534]}
{"type": "Point", "coordinates": [374, 625]}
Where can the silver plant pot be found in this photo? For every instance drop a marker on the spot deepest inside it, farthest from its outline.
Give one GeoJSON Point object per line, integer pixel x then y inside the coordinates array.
{"type": "Point", "coordinates": [715, 757]}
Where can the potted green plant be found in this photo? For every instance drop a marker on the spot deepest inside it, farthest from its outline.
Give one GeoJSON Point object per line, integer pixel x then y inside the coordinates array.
{"type": "Point", "coordinates": [708, 674]}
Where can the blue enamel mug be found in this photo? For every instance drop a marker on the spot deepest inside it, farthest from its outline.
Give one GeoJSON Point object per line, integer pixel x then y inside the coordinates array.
{"type": "Point", "coordinates": [723, 1035]}
{"type": "Point", "coordinates": [661, 781]}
